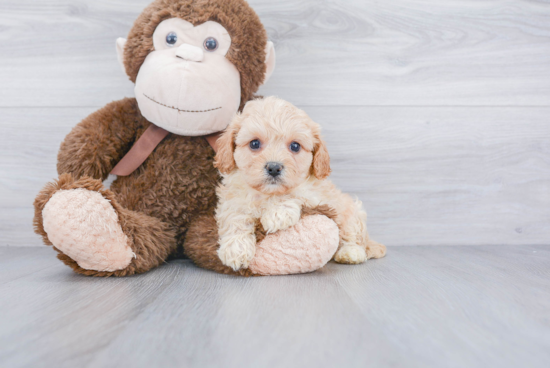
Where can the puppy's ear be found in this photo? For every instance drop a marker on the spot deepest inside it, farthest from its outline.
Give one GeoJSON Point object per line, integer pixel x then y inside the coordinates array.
{"type": "Point", "coordinates": [224, 160]}
{"type": "Point", "coordinates": [321, 159]}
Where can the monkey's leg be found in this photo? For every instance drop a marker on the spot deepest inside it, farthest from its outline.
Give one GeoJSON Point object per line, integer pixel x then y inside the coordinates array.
{"type": "Point", "coordinates": [305, 247]}
{"type": "Point", "coordinates": [94, 234]}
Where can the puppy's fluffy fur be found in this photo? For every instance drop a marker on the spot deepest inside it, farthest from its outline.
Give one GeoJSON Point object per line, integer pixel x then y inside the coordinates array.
{"type": "Point", "coordinates": [248, 193]}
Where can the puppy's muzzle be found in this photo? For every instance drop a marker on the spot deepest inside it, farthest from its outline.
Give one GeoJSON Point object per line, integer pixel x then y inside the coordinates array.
{"type": "Point", "coordinates": [273, 169]}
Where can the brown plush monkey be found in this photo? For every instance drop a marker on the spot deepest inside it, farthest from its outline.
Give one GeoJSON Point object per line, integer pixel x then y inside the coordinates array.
{"type": "Point", "coordinates": [194, 63]}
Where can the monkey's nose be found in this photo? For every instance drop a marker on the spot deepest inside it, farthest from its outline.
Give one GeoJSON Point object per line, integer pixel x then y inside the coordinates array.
{"type": "Point", "coordinates": [274, 169]}
{"type": "Point", "coordinates": [190, 52]}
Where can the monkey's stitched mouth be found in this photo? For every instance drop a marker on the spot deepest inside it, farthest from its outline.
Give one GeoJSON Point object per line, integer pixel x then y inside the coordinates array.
{"type": "Point", "coordinates": [180, 110]}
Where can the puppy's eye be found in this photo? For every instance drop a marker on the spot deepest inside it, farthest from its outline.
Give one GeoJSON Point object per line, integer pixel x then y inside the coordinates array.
{"type": "Point", "coordinates": [171, 39]}
{"type": "Point", "coordinates": [255, 144]}
{"type": "Point", "coordinates": [295, 147]}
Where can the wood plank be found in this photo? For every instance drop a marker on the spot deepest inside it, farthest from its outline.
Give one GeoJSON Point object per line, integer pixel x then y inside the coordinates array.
{"type": "Point", "coordinates": [445, 176]}
{"type": "Point", "coordinates": [336, 52]}
{"type": "Point", "coordinates": [484, 306]}
{"type": "Point", "coordinates": [28, 157]}
{"type": "Point", "coordinates": [427, 176]}
{"type": "Point", "coordinates": [459, 306]}
{"type": "Point", "coordinates": [258, 322]}
{"type": "Point", "coordinates": [37, 261]}
{"type": "Point", "coordinates": [55, 317]}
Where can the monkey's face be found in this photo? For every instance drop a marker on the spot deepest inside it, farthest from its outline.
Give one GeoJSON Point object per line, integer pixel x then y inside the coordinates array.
{"type": "Point", "coordinates": [186, 85]}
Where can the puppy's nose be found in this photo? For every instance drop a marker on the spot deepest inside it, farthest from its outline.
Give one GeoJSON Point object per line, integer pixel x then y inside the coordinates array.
{"type": "Point", "coordinates": [274, 169]}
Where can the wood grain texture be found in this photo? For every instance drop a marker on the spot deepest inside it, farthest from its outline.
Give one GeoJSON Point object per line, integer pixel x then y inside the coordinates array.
{"type": "Point", "coordinates": [485, 306]}
{"type": "Point", "coordinates": [28, 155]}
{"type": "Point", "coordinates": [427, 176]}
{"type": "Point", "coordinates": [436, 113]}
{"type": "Point", "coordinates": [336, 52]}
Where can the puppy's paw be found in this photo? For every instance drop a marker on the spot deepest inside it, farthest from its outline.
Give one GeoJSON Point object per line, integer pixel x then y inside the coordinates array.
{"type": "Point", "coordinates": [351, 254]}
{"type": "Point", "coordinates": [281, 217]}
{"type": "Point", "coordinates": [238, 252]}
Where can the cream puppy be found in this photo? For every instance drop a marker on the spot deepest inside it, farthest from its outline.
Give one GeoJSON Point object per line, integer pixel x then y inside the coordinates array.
{"type": "Point", "coordinates": [273, 163]}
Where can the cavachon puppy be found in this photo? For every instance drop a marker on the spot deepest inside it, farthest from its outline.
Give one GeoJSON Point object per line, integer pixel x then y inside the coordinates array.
{"type": "Point", "coordinates": [274, 163]}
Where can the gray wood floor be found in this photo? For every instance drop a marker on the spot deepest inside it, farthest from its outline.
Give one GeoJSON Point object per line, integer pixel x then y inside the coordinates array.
{"type": "Point", "coordinates": [483, 306]}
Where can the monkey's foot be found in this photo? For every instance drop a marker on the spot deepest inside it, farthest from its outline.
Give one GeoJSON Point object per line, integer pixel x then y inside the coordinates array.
{"type": "Point", "coordinates": [304, 247]}
{"type": "Point", "coordinates": [351, 254]}
{"type": "Point", "coordinates": [83, 225]}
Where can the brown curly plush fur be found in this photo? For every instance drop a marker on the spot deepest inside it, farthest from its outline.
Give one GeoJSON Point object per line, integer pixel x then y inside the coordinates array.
{"type": "Point", "coordinates": [175, 186]}
{"type": "Point", "coordinates": [156, 203]}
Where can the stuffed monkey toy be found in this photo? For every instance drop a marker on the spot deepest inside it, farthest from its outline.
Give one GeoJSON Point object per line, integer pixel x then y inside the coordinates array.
{"type": "Point", "coordinates": [194, 65]}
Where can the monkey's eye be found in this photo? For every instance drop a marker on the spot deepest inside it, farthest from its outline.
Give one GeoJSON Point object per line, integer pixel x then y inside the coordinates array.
{"type": "Point", "coordinates": [255, 144]}
{"type": "Point", "coordinates": [171, 39]}
{"type": "Point", "coordinates": [295, 147]}
{"type": "Point", "coordinates": [210, 44]}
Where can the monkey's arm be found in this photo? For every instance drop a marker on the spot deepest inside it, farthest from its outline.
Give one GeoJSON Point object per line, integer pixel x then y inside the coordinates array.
{"type": "Point", "coordinates": [99, 141]}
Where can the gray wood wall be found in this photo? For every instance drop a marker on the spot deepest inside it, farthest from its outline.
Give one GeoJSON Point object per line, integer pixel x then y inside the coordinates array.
{"type": "Point", "coordinates": [437, 113]}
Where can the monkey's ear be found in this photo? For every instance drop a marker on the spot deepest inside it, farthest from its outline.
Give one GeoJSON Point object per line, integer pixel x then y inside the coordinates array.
{"type": "Point", "coordinates": [120, 43]}
{"type": "Point", "coordinates": [269, 60]}
{"type": "Point", "coordinates": [224, 160]}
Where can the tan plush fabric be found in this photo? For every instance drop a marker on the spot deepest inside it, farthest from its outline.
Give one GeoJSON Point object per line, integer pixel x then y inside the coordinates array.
{"type": "Point", "coordinates": [83, 225]}
{"type": "Point", "coordinates": [184, 88]}
{"type": "Point", "coordinates": [305, 247]}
